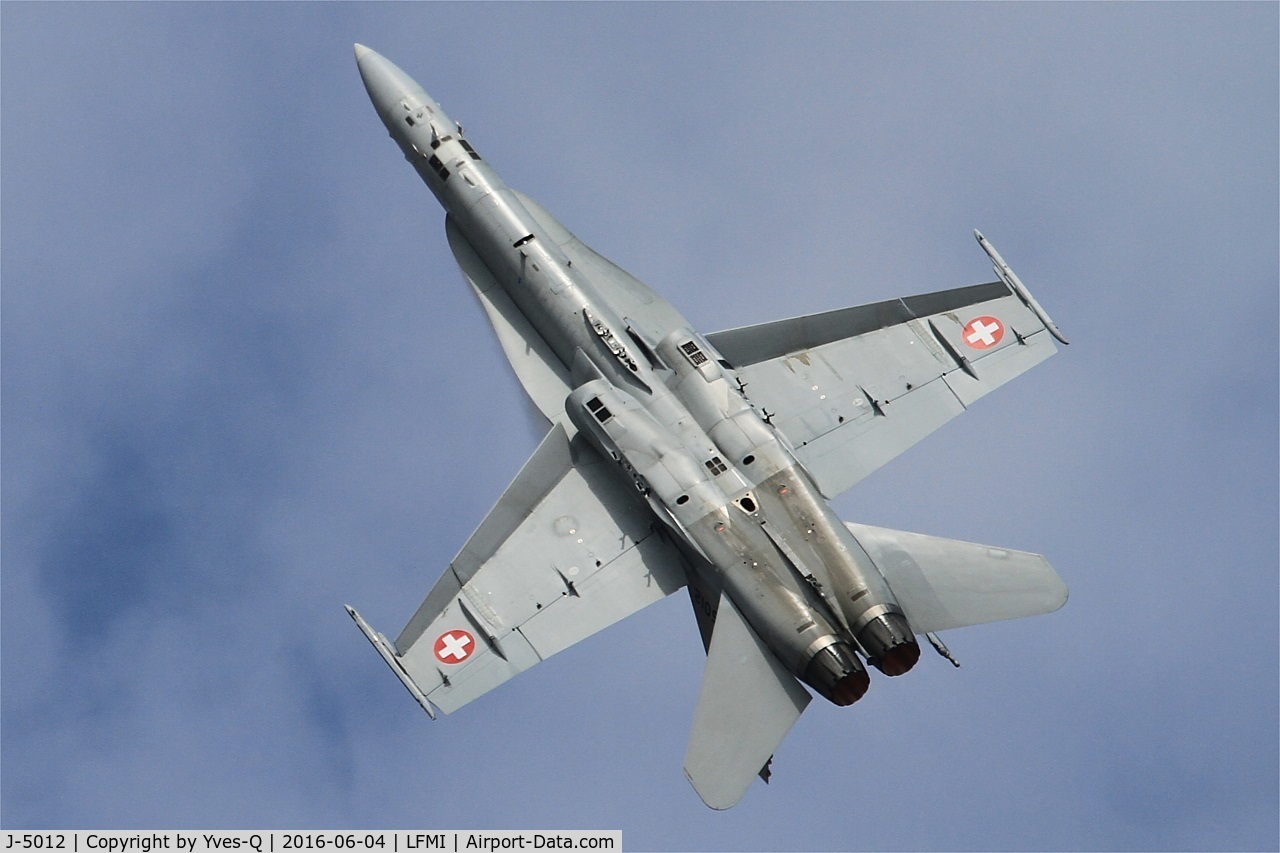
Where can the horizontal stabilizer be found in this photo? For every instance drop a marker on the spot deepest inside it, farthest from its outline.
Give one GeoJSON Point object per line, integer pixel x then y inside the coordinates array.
{"type": "Point", "coordinates": [945, 583]}
{"type": "Point", "coordinates": [747, 705]}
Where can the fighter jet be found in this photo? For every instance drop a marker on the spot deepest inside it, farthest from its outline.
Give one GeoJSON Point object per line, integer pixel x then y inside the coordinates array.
{"type": "Point", "coordinates": [675, 459]}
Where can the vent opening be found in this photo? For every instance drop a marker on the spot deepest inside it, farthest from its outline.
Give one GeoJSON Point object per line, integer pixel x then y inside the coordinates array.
{"type": "Point", "coordinates": [441, 169]}
{"type": "Point", "coordinates": [694, 353]}
{"type": "Point", "coordinates": [599, 409]}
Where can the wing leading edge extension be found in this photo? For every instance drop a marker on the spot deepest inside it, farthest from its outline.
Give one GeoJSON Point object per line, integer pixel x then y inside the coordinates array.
{"type": "Point", "coordinates": [567, 551]}
{"type": "Point", "coordinates": [543, 376]}
{"type": "Point", "coordinates": [853, 388]}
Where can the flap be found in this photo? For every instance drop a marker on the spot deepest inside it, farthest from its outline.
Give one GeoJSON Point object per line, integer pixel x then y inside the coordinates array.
{"type": "Point", "coordinates": [747, 705]}
{"type": "Point", "coordinates": [945, 583]}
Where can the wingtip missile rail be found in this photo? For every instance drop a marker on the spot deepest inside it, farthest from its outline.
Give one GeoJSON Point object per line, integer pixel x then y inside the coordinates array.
{"type": "Point", "coordinates": [1015, 284]}
{"type": "Point", "coordinates": [388, 653]}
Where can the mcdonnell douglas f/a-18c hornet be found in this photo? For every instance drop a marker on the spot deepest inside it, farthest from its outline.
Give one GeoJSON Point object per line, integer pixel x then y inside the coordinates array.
{"type": "Point", "coordinates": [675, 459]}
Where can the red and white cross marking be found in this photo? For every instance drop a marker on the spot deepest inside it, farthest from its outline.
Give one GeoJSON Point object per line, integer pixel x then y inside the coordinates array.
{"type": "Point", "coordinates": [983, 332]}
{"type": "Point", "coordinates": [454, 646]}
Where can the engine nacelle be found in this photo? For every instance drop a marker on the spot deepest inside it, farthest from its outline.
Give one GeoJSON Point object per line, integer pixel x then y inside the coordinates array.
{"type": "Point", "coordinates": [714, 398]}
{"type": "Point", "coordinates": [662, 465]}
{"type": "Point", "coordinates": [787, 612]}
{"type": "Point", "coordinates": [653, 455]}
{"type": "Point", "coordinates": [824, 550]}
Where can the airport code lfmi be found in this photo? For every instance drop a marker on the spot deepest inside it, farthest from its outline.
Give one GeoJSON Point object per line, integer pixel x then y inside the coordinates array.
{"type": "Point", "coordinates": [273, 841]}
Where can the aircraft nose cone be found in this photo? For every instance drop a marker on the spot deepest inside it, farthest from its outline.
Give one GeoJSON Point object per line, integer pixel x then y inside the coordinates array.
{"type": "Point", "coordinates": [385, 83]}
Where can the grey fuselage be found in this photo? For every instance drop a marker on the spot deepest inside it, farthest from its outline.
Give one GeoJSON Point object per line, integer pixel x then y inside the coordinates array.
{"type": "Point", "coordinates": [671, 413]}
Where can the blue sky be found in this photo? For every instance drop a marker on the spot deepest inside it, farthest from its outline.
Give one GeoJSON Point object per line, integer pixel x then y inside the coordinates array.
{"type": "Point", "coordinates": [244, 384]}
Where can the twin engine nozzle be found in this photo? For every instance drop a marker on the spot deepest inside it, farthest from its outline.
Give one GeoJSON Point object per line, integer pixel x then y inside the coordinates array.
{"type": "Point", "coordinates": [837, 673]}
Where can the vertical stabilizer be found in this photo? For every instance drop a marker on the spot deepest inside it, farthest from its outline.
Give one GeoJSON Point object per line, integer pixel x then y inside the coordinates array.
{"type": "Point", "coordinates": [747, 705]}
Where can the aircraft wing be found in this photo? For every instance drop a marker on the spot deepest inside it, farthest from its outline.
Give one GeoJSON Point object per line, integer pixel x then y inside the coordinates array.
{"type": "Point", "coordinates": [568, 550]}
{"type": "Point", "coordinates": [853, 388]}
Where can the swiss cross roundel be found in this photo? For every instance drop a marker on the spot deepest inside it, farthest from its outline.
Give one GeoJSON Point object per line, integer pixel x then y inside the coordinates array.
{"type": "Point", "coordinates": [454, 646]}
{"type": "Point", "coordinates": [982, 332]}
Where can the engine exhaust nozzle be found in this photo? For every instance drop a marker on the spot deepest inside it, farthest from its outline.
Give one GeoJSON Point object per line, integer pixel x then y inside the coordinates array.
{"type": "Point", "coordinates": [891, 646]}
{"type": "Point", "coordinates": [837, 674]}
